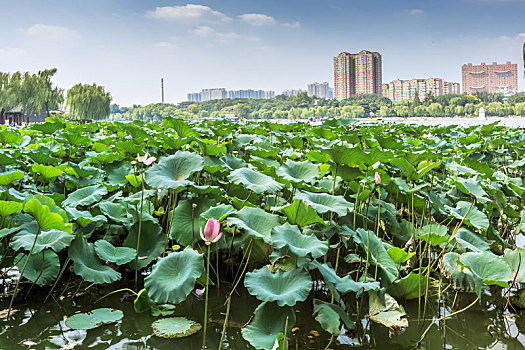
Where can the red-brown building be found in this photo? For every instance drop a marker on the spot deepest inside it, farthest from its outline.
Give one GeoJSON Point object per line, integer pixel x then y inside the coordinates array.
{"type": "Point", "coordinates": [490, 78]}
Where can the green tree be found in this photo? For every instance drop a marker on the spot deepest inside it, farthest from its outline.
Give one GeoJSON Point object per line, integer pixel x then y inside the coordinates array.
{"type": "Point", "coordinates": [435, 110]}
{"type": "Point", "coordinates": [88, 102]}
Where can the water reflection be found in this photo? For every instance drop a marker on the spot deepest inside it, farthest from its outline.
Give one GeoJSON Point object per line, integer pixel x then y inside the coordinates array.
{"type": "Point", "coordinates": [484, 326]}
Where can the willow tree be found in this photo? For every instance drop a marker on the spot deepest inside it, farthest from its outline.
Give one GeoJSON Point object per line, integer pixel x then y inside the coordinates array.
{"type": "Point", "coordinates": [88, 102]}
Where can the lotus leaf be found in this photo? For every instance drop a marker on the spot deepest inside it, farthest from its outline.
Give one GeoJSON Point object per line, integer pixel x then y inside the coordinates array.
{"type": "Point", "coordinates": [298, 243]}
{"type": "Point", "coordinates": [41, 268]}
{"type": "Point", "coordinates": [45, 218]}
{"type": "Point", "coordinates": [151, 244]}
{"type": "Point", "coordinates": [118, 255]}
{"type": "Point", "coordinates": [487, 269]}
{"type": "Point", "coordinates": [299, 171]}
{"type": "Point", "coordinates": [87, 265]}
{"type": "Point", "coordinates": [53, 239]}
{"type": "Point", "coordinates": [255, 181]}
{"type": "Point", "coordinates": [173, 277]}
{"type": "Point", "coordinates": [268, 321]}
{"type": "Point", "coordinates": [286, 288]}
{"type": "Point", "coordinates": [173, 171]}
{"type": "Point", "coordinates": [86, 196]}
{"type": "Point", "coordinates": [386, 311]}
{"type": "Point", "coordinates": [187, 222]}
{"type": "Point", "coordinates": [10, 176]}
{"type": "Point", "coordinates": [411, 286]}
{"type": "Point", "coordinates": [300, 213]}
{"type": "Point", "coordinates": [256, 222]}
{"type": "Point", "coordinates": [9, 207]}
{"type": "Point", "coordinates": [174, 327]}
{"type": "Point", "coordinates": [330, 316]}
{"type": "Point", "coordinates": [94, 318]}
{"type": "Point", "coordinates": [323, 202]}
{"type": "Point", "coordinates": [474, 217]}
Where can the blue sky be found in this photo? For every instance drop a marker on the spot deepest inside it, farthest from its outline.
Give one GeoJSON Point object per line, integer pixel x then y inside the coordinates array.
{"type": "Point", "coordinates": [128, 45]}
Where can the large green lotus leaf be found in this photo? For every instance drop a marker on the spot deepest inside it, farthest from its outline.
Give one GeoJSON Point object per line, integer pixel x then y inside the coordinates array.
{"type": "Point", "coordinates": [462, 279]}
{"type": "Point", "coordinates": [173, 277]}
{"type": "Point", "coordinates": [53, 239]}
{"type": "Point", "coordinates": [219, 212]}
{"type": "Point", "coordinates": [330, 316]}
{"type": "Point", "coordinates": [9, 207]}
{"type": "Point", "coordinates": [6, 160]}
{"type": "Point", "coordinates": [299, 171]}
{"type": "Point", "coordinates": [87, 265]}
{"type": "Point", "coordinates": [342, 284]}
{"type": "Point", "coordinates": [385, 310]}
{"type": "Point", "coordinates": [180, 126]}
{"type": "Point", "coordinates": [94, 318]}
{"type": "Point", "coordinates": [434, 234]}
{"type": "Point", "coordinates": [398, 255]}
{"type": "Point", "coordinates": [268, 321]}
{"type": "Point", "coordinates": [118, 255]}
{"type": "Point", "coordinates": [300, 213]}
{"type": "Point", "coordinates": [48, 171]}
{"type": "Point", "coordinates": [175, 327]}
{"type": "Point", "coordinates": [117, 174]}
{"type": "Point", "coordinates": [256, 222]}
{"type": "Point", "coordinates": [10, 176]}
{"type": "Point", "coordinates": [115, 211]}
{"type": "Point", "coordinates": [487, 269]}
{"type": "Point", "coordinates": [474, 218]}
{"type": "Point", "coordinates": [516, 260]}
{"type": "Point", "coordinates": [377, 255]}
{"type": "Point", "coordinates": [84, 217]}
{"type": "Point", "coordinates": [172, 171]}
{"type": "Point", "coordinates": [473, 188]}
{"type": "Point", "coordinates": [470, 240]}
{"type": "Point", "coordinates": [86, 196]}
{"type": "Point", "coordinates": [233, 162]}
{"type": "Point", "coordinates": [323, 202]}
{"type": "Point", "coordinates": [46, 128]}
{"type": "Point", "coordinates": [42, 268]}
{"type": "Point", "coordinates": [286, 288]}
{"type": "Point", "coordinates": [45, 217]}
{"type": "Point", "coordinates": [151, 244]}
{"type": "Point", "coordinates": [7, 231]}
{"type": "Point", "coordinates": [9, 137]}
{"type": "Point", "coordinates": [343, 155]}
{"type": "Point", "coordinates": [50, 202]}
{"type": "Point", "coordinates": [298, 243]}
{"type": "Point", "coordinates": [187, 220]}
{"type": "Point", "coordinates": [412, 286]}
{"type": "Point", "coordinates": [255, 181]}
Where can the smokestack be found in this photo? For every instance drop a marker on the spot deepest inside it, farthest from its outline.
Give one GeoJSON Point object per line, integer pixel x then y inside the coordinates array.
{"type": "Point", "coordinates": [162, 88]}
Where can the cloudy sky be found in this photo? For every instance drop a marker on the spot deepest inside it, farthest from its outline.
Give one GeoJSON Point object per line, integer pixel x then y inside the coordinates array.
{"type": "Point", "coordinates": [128, 45]}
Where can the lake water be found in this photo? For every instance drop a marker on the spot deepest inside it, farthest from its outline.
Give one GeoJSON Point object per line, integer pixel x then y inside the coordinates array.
{"type": "Point", "coordinates": [510, 122]}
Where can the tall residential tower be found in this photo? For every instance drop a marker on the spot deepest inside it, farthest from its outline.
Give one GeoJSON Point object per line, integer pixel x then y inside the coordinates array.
{"type": "Point", "coordinates": [359, 73]}
{"type": "Point", "coordinates": [490, 77]}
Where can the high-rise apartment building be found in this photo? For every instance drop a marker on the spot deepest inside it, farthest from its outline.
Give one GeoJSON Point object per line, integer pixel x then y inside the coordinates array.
{"type": "Point", "coordinates": [489, 77]}
{"type": "Point", "coordinates": [359, 73]}
{"type": "Point", "coordinates": [321, 90]}
{"type": "Point", "coordinates": [399, 90]}
{"type": "Point", "coordinates": [222, 93]}
{"type": "Point", "coordinates": [291, 92]}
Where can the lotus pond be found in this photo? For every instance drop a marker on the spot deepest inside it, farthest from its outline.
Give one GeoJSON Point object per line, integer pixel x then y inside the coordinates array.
{"type": "Point", "coordinates": [259, 235]}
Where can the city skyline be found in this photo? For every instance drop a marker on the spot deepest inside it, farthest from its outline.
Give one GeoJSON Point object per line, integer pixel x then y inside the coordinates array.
{"type": "Point", "coordinates": [127, 46]}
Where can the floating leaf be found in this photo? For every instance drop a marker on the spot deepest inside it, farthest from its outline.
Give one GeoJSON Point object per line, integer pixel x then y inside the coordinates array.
{"type": "Point", "coordinates": [175, 327]}
{"type": "Point", "coordinates": [94, 318]}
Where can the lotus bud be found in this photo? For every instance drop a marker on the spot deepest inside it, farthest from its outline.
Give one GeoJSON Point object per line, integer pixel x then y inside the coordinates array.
{"type": "Point", "coordinates": [211, 232]}
{"type": "Point", "coordinates": [377, 178]}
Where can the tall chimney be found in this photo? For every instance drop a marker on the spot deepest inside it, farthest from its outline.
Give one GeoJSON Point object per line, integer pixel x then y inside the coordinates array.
{"type": "Point", "coordinates": [162, 88]}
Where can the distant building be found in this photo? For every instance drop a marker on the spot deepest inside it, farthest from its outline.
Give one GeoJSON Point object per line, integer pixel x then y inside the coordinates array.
{"type": "Point", "coordinates": [399, 90]}
{"type": "Point", "coordinates": [321, 90]}
{"type": "Point", "coordinates": [18, 116]}
{"type": "Point", "coordinates": [359, 73]}
{"type": "Point", "coordinates": [292, 92]}
{"type": "Point", "coordinates": [222, 93]}
{"type": "Point", "coordinates": [489, 78]}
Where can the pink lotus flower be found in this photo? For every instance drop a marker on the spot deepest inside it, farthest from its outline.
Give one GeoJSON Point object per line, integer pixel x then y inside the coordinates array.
{"type": "Point", "coordinates": [378, 178]}
{"type": "Point", "coordinates": [211, 231]}
{"type": "Point", "coordinates": [146, 159]}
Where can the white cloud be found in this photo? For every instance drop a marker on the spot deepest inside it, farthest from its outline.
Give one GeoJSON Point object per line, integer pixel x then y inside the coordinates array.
{"type": "Point", "coordinates": [517, 37]}
{"type": "Point", "coordinates": [52, 32]}
{"type": "Point", "coordinates": [164, 44]}
{"type": "Point", "coordinates": [416, 12]}
{"type": "Point", "coordinates": [259, 20]}
{"type": "Point", "coordinates": [11, 52]}
{"type": "Point", "coordinates": [210, 33]}
{"type": "Point", "coordinates": [189, 12]}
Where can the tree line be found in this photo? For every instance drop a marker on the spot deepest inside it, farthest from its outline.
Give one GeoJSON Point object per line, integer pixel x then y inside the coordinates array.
{"type": "Point", "coordinates": [304, 107]}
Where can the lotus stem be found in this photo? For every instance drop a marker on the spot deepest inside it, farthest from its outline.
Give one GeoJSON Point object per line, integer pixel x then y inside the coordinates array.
{"type": "Point", "coordinates": [206, 297]}
{"type": "Point", "coordinates": [138, 237]}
